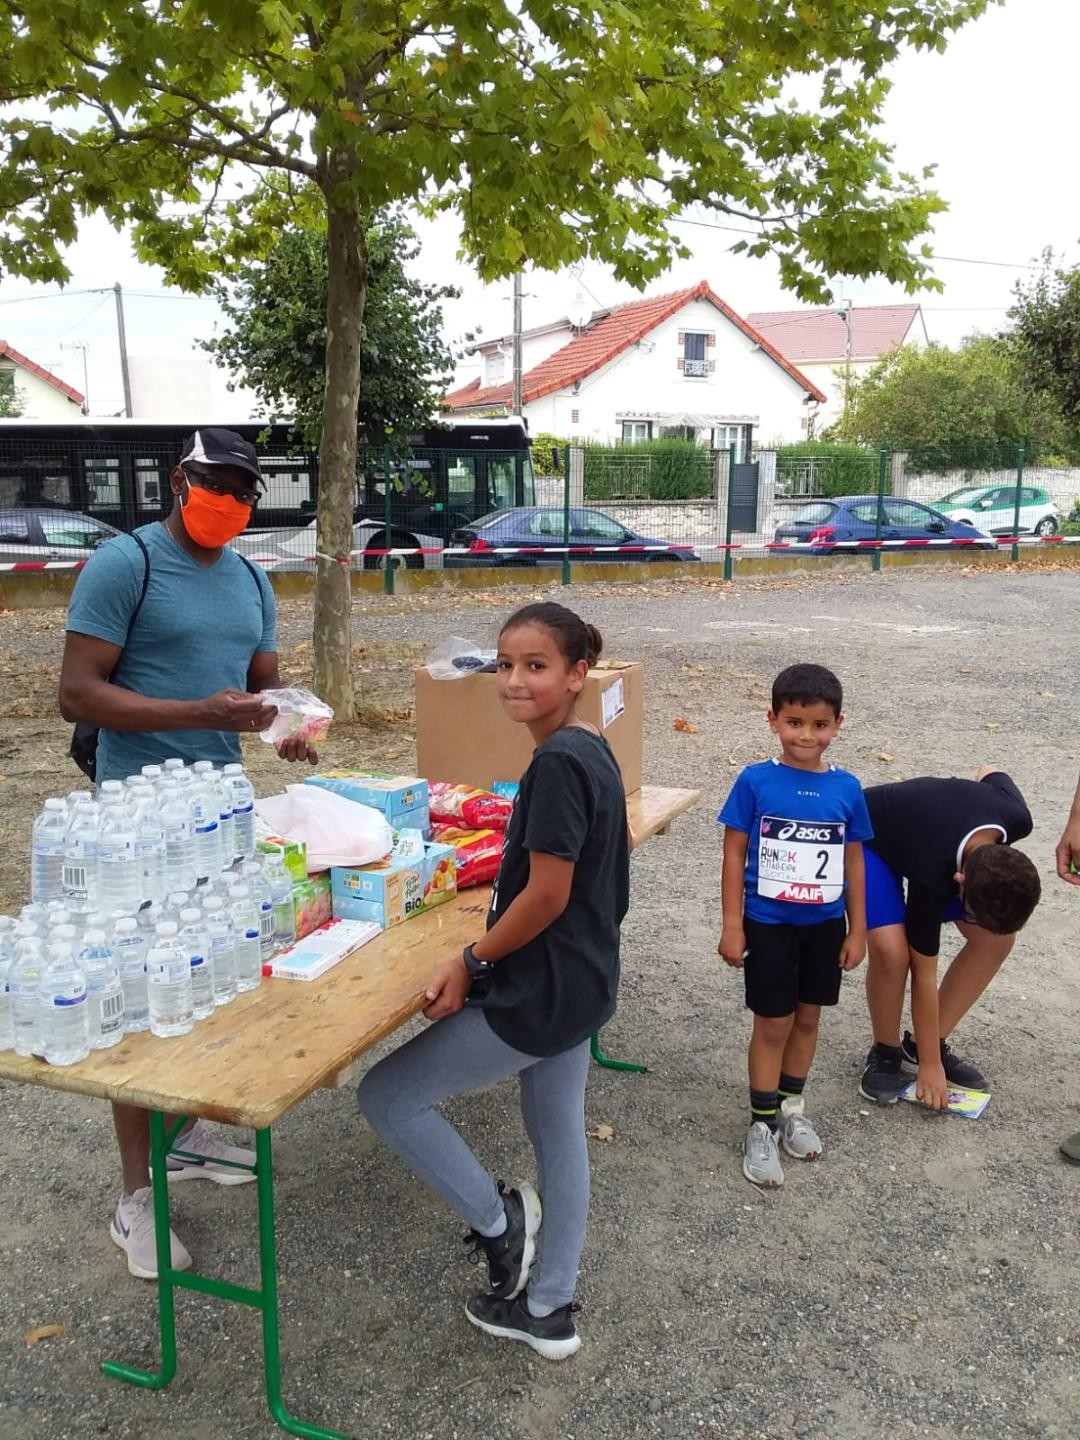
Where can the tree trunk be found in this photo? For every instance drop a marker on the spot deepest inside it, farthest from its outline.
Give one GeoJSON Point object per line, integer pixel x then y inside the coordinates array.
{"type": "Point", "coordinates": [346, 292]}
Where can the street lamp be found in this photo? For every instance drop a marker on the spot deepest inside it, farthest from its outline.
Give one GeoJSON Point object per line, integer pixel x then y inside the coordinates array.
{"type": "Point", "coordinates": [844, 313]}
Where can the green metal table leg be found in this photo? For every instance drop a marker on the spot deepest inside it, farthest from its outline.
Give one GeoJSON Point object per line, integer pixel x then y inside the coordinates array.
{"type": "Point", "coordinates": [264, 1173]}
{"type": "Point", "coordinates": [607, 1063]}
{"type": "Point", "coordinates": [151, 1379]}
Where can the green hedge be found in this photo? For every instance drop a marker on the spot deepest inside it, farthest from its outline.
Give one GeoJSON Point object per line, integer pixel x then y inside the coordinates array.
{"type": "Point", "coordinates": [836, 469]}
{"type": "Point", "coordinates": [543, 454]}
{"type": "Point", "coordinates": [652, 470]}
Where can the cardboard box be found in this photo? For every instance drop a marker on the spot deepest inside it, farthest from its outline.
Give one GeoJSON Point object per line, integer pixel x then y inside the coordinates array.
{"type": "Point", "coordinates": [416, 876]}
{"type": "Point", "coordinates": [464, 734]}
{"type": "Point", "coordinates": [403, 799]}
{"type": "Point", "coordinates": [311, 903]}
{"type": "Point", "coordinates": [293, 852]}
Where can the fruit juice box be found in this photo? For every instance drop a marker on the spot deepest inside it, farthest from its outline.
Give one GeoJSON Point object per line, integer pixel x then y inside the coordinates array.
{"type": "Point", "coordinates": [293, 852]}
{"type": "Point", "coordinates": [416, 876]}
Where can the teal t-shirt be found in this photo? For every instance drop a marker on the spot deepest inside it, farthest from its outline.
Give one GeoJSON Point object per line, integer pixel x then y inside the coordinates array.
{"type": "Point", "coordinates": [195, 634]}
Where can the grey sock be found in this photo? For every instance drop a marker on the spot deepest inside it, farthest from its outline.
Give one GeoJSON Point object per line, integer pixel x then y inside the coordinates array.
{"type": "Point", "coordinates": [495, 1231]}
{"type": "Point", "coordinates": [536, 1309]}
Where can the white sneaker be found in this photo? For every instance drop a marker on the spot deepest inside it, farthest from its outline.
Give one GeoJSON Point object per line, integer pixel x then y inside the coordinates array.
{"type": "Point", "coordinates": [204, 1143]}
{"type": "Point", "coordinates": [132, 1228]}
{"type": "Point", "coordinates": [797, 1135]}
{"type": "Point", "coordinates": [761, 1159]}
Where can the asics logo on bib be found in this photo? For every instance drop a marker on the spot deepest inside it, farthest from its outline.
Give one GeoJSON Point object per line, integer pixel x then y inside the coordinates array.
{"type": "Point", "coordinates": [793, 831]}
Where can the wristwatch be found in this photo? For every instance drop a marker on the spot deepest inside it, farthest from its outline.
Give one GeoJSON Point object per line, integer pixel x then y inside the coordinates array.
{"type": "Point", "coordinates": [473, 966]}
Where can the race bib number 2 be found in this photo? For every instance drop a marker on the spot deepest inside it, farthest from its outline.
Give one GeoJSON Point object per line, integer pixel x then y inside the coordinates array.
{"type": "Point", "coordinates": [800, 860]}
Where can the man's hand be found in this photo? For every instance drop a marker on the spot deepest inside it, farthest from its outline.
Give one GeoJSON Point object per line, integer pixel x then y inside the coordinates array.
{"type": "Point", "coordinates": [237, 711]}
{"type": "Point", "coordinates": [446, 993]}
{"type": "Point", "coordinates": [853, 950]}
{"type": "Point", "coordinates": [931, 1087]}
{"type": "Point", "coordinates": [732, 947]}
{"type": "Point", "coordinates": [1068, 851]}
{"type": "Point", "coordinates": [295, 749]}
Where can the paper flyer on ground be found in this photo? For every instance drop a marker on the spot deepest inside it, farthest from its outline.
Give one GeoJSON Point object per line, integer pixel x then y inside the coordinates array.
{"type": "Point", "coordinates": [968, 1103]}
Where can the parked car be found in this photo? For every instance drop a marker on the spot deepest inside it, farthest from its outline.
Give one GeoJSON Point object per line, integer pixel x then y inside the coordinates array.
{"type": "Point", "coordinates": [822, 524]}
{"type": "Point", "coordinates": [992, 508]}
{"type": "Point", "coordinates": [294, 549]}
{"type": "Point", "coordinates": [31, 533]}
{"type": "Point", "coordinates": [527, 529]}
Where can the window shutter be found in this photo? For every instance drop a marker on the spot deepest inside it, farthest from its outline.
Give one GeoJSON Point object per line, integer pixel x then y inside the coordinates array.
{"type": "Point", "coordinates": [710, 341]}
{"type": "Point", "coordinates": [575, 416]}
{"type": "Point", "coordinates": [712, 367]}
{"type": "Point", "coordinates": [682, 337]}
{"type": "Point", "coordinates": [680, 362]}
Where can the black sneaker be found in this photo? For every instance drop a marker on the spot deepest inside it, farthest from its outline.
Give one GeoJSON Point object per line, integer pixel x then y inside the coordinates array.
{"type": "Point", "coordinates": [881, 1078]}
{"type": "Point", "coordinates": [959, 1073]}
{"type": "Point", "coordinates": [510, 1255]}
{"type": "Point", "coordinates": [553, 1336]}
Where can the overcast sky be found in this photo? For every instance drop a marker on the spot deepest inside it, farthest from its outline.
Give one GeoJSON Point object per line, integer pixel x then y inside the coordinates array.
{"type": "Point", "coordinates": [996, 113]}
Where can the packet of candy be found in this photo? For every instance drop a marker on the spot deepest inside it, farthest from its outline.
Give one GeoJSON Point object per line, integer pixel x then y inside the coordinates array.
{"type": "Point", "coordinates": [301, 715]}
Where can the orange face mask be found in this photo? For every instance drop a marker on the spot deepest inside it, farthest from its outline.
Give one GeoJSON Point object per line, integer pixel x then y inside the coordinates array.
{"type": "Point", "coordinates": [212, 520]}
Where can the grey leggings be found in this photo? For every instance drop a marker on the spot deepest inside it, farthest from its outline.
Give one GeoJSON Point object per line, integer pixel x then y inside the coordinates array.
{"type": "Point", "coordinates": [460, 1054]}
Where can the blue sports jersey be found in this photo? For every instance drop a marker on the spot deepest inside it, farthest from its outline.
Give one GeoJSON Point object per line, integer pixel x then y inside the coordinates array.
{"type": "Point", "coordinates": [798, 822]}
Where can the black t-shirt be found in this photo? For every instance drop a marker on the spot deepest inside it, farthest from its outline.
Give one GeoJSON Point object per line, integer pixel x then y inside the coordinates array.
{"type": "Point", "coordinates": [556, 990]}
{"type": "Point", "coordinates": [920, 830]}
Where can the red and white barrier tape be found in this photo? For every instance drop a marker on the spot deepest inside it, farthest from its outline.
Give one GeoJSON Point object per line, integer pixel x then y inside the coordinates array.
{"type": "Point", "coordinates": [798, 546]}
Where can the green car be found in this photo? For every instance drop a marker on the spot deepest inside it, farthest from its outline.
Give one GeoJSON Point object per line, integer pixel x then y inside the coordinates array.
{"type": "Point", "coordinates": [992, 509]}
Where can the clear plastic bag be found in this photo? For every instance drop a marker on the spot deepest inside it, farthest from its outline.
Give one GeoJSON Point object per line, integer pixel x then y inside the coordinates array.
{"type": "Point", "coordinates": [336, 831]}
{"type": "Point", "coordinates": [454, 657]}
{"type": "Point", "coordinates": [301, 715]}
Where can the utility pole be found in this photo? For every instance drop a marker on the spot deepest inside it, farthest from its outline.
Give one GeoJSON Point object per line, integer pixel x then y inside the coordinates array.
{"type": "Point", "coordinates": [515, 395]}
{"type": "Point", "coordinates": [124, 371]}
{"type": "Point", "coordinates": [845, 315]}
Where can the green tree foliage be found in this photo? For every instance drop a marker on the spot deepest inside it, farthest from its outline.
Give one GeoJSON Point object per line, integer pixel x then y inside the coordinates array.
{"type": "Point", "coordinates": [556, 132]}
{"type": "Point", "coordinates": [1046, 335]}
{"type": "Point", "coordinates": [952, 408]}
{"type": "Point", "coordinates": [10, 399]}
{"type": "Point", "coordinates": [822, 467]}
{"type": "Point", "coordinates": [545, 449]}
{"type": "Point", "coordinates": [277, 341]}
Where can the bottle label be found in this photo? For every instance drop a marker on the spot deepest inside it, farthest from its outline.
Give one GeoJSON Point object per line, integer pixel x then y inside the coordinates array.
{"type": "Point", "coordinates": [244, 809]}
{"type": "Point", "coordinates": [206, 827]}
{"type": "Point", "coordinates": [197, 960]}
{"type": "Point", "coordinates": [251, 934]}
{"type": "Point", "coordinates": [171, 972]}
{"type": "Point", "coordinates": [112, 1012]}
{"type": "Point", "coordinates": [74, 881]}
{"type": "Point", "coordinates": [65, 1001]}
{"type": "Point", "coordinates": [117, 853]}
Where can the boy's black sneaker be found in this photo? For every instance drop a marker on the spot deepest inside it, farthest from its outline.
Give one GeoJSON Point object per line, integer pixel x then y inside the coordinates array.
{"type": "Point", "coordinates": [882, 1080]}
{"type": "Point", "coordinates": [958, 1072]}
{"type": "Point", "coordinates": [510, 1255]}
{"type": "Point", "coordinates": [553, 1336]}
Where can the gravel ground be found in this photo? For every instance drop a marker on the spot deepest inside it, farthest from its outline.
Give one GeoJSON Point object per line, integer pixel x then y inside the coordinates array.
{"type": "Point", "coordinates": [919, 1280]}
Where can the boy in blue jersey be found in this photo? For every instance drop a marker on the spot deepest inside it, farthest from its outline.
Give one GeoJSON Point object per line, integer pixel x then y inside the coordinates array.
{"type": "Point", "coordinates": [793, 865]}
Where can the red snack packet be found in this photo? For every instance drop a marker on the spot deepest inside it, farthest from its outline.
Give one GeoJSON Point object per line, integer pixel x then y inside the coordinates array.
{"type": "Point", "coordinates": [464, 805]}
{"type": "Point", "coordinates": [478, 852]}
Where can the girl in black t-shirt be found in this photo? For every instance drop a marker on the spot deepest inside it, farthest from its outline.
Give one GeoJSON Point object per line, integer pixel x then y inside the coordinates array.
{"type": "Point", "coordinates": [525, 998]}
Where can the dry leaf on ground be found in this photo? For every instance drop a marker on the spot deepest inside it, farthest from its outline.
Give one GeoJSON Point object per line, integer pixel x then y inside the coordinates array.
{"type": "Point", "coordinates": [684, 727]}
{"type": "Point", "coordinates": [886, 757]}
{"type": "Point", "coordinates": [43, 1332]}
{"type": "Point", "coordinates": [601, 1132]}
{"type": "Point", "coordinates": [991, 725]}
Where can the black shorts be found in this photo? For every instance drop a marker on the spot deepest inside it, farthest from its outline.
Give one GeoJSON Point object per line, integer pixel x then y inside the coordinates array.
{"type": "Point", "coordinates": [787, 965]}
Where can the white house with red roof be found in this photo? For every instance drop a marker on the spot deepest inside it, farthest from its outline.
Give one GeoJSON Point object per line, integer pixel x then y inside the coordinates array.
{"type": "Point", "coordinates": [818, 342]}
{"type": "Point", "coordinates": [40, 394]}
{"type": "Point", "coordinates": [683, 363]}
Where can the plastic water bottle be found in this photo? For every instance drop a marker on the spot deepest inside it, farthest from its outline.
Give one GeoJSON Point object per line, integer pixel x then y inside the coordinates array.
{"type": "Point", "coordinates": [36, 916]}
{"type": "Point", "coordinates": [119, 870]}
{"type": "Point", "coordinates": [174, 902]}
{"type": "Point", "coordinates": [129, 947]}
{"type": "Point", "coordinates": [244, 912]}
{"type": "Point", "coordinates": [204, 805]}
{"type": "Point", "coordinates": [222, 947]}
{"type": "Point", "coordinates": [80, 869]}
{"type": "Point", "coordinates": [62, 1002]}
{"type": "Point", "coordinates": [58, 914]}
{"type": "Point", "coordinates": [7, 953]}
{"type": "Point", "coordinates": [149, 839]}
{"type": "Point", "coordinates": [24, 981]}
{"type": "Point", "coordinates": [104, 991]}
{"type": "Point", "coordinates": [168, 983]}
{"type": "Point", "coordinates": [173, 765]}
{"type": "Point", "coordinates": [212, 781]}
{"type": "Point", "coordinates": [174, 809]}
{"type": "Point", "coordinates": [195, 940]}
{"type": "Point", "coordinates": [152, 774]}
{"type": "Point", "coordinates": [258, 884]}
{"type": "Point", "coordinates": [281, 895]}
{"type": "Point", "coordinates": [242, 793]}
{"type": "Point", "coordinates": [47, 852]}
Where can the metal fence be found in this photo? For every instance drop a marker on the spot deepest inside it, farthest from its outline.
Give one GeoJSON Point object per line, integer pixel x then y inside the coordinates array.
{"type": "Point", "coordinates": [614, 505]}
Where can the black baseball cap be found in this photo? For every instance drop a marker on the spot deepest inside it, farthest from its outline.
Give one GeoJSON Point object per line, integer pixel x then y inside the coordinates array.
{"type": "Point", "coordinates": [221, 447]}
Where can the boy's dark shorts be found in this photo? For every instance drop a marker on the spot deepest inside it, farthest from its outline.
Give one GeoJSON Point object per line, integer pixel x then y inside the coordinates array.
{"type": "Point", "coordinates": [787, 965]}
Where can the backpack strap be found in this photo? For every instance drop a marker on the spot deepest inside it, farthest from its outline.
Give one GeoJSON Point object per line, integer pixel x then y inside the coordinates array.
{"type": "Point", "coordinates": [145, 586]}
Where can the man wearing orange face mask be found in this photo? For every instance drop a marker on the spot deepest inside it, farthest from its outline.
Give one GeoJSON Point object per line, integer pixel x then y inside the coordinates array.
{"type": "Point", "coordinates": [170, 638]}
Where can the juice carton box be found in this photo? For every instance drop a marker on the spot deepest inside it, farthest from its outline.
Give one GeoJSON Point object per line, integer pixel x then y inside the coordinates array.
{"type": "Point", "coordinates": [311, 902]}
{"type": "Point", "coordinates": [403, 799]}
{"type": "Point", "coordinates": [415, 876]}
{"type": "Point", "coordinates": [293, 852]}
